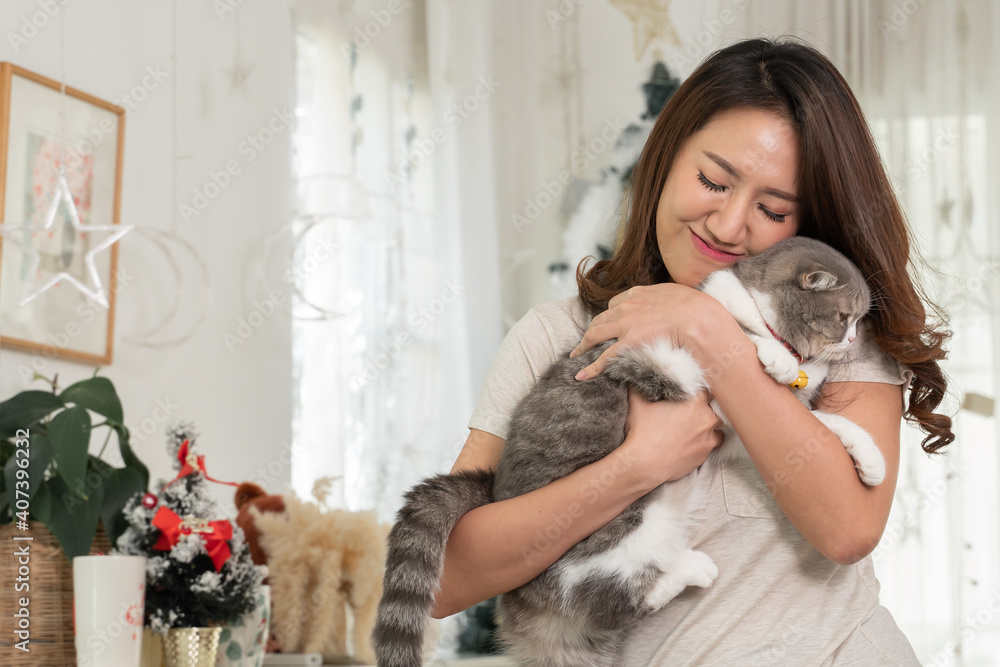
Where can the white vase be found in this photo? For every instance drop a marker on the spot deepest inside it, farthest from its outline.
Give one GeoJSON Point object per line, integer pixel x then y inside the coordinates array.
{"type": "Point", "coordinates": [242, 644]}
{"type": "Point", "coordinates": [109, 595]}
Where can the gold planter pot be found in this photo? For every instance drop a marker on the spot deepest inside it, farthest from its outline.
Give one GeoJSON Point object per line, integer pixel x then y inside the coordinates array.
{"type": "Point", "coordinates": [191, 647]}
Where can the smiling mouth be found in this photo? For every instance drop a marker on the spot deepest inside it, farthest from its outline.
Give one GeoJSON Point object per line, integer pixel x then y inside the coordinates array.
{"type": "Point", "coordinates": [712, 251]}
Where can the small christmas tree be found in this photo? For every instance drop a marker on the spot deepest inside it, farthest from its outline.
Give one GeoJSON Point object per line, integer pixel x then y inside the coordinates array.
{"type": "Point", "coordinates": [198, 569]}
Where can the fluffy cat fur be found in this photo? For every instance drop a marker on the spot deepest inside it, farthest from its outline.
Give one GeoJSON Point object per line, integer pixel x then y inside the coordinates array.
{"type": "Point", "coordinates": [577, 611]}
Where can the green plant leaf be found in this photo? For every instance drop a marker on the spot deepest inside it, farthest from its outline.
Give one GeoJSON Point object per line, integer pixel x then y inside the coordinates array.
{"type": "Point", "coordinates": [129, 457]}
{"type": "Point", "coordinates": [6, 451]}
{"type": "Point", "coordinates": [97, 394]}
{"type": "Point", "coordinates": [73, 519]}
{"type": "Point", "coordinates": [69, 434]}
{"type": "Point", "coordinates": [26, 409]}
{"type": "Point", "coordinates": [41, 504]}
{"type": "Point", "coordinates": [119, 485]}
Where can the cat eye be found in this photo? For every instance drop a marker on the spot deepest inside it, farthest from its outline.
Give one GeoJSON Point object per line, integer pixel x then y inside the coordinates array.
{"type": "Point", "coordinates": [843, 317]}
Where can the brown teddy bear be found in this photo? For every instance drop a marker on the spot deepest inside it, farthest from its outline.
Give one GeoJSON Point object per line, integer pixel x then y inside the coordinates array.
{"type": "Point", "coordinates": [250, 495]}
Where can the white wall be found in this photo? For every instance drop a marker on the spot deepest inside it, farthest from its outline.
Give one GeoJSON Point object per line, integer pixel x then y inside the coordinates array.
{"type": "Point", "coordinates": [239, 399]}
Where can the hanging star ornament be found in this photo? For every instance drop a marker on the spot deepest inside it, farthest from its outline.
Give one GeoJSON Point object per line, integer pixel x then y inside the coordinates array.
{"type": "Point", "coordinates": [63, 197]}
{"type": "Point", "coordinates": [650, 22]}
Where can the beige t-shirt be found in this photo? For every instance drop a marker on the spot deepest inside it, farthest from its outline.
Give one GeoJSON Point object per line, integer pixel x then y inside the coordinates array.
{"type": "Point", "coordinates": [776, 601]}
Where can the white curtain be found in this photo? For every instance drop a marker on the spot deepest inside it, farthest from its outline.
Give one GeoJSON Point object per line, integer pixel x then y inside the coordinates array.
{"type": "Point", "coordinates": [393, 336]}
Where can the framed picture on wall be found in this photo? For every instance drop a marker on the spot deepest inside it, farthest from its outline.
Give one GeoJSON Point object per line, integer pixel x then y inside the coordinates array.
{"type": "Point", "coordinates": [60, 196]}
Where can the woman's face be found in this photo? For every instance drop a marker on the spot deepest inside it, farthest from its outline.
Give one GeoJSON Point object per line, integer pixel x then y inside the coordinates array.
{"type": "Point", "coordinates": [731, 193]}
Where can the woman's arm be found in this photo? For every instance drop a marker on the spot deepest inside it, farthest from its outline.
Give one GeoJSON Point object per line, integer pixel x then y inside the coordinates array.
{"type": "Point", "coordinates": [498, 547]}
{"type": "Point", "coordinates": [503, 545]}
{"type": "Point", "coordinates": [807, 469]}
{"type": "Point", "coordinates": [805, 466]}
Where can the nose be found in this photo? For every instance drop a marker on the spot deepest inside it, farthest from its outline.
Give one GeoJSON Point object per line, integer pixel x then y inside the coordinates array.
{"type": "Point", "coordinates": [729, 225]}
{"type": "Point", "coordinates": [850, 339]}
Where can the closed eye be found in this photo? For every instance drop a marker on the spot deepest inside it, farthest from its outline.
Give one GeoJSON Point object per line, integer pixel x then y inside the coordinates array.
{"type": "Point", "coordinates": [714, 187]}
{"type": "Point", "coordinates": [777, 217]}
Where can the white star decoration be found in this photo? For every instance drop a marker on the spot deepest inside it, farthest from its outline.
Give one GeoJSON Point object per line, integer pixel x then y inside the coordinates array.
{"type": "Point", "coordinates": [63, 196]}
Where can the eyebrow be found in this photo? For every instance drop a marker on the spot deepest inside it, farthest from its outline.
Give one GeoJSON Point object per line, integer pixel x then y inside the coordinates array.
{"type": "Point", "coordinates": [781, 194]}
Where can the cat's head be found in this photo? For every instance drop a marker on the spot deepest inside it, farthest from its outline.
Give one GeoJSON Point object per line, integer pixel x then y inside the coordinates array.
{"type": "Point", "coordinates": [811, 295]}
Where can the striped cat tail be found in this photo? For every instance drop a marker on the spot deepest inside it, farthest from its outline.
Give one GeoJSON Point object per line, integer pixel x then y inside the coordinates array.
{"type": "Point", "coordinates": [414, 561]}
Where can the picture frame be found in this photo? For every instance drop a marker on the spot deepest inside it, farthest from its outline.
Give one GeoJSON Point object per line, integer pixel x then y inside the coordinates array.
{"type": "Point", "coordinates": [53, 136]}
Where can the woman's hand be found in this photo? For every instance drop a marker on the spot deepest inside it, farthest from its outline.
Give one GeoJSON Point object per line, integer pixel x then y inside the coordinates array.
{"type": "Point", "coordinates": [645, 312]}
{"type": "Point", "coordinates": [666, 440]}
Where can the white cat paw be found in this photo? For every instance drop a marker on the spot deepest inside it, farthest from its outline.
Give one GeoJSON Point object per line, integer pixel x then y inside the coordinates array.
{"type": "Point", "coordinates": [694, 568]}
{"type": "Point", "coordinates": [870, 466]}
{"type": "Point", "coordinates": [777, 361]}
{"type": "Point", "coordinates": [868, 459]}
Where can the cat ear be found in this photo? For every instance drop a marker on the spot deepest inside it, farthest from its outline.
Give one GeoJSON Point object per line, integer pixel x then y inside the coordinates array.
{"type": "Point", "coordinates": [818, 280]}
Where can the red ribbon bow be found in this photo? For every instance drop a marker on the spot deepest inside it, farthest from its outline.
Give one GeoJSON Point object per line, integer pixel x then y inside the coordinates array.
{"type": "Point", "coordinates": [214, 533]}
{"type": "Point", "coordinates": [191, 463]}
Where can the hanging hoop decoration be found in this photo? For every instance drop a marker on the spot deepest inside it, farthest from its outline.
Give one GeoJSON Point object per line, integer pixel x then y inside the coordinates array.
{"type": "Point", "coordinates": [262, 257]}
{"type": "Point", "coordinates": [145, 337]}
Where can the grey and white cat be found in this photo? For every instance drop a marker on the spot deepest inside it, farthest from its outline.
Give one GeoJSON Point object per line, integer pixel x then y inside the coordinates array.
{"type": "Point", "coordinates": [799, 301]}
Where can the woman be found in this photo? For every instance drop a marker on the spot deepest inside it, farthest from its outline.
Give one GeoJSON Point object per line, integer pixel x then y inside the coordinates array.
{"type": "Point", "coordinates": [762, 142]}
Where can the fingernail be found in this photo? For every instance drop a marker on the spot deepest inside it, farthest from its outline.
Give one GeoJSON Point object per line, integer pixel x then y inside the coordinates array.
{"type": "Point", "coordinates": [582, 375]}
{"type": "Point", "coordinates": [573, 353]}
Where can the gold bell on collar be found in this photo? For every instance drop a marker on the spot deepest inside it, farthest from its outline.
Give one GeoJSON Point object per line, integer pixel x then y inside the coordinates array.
{"type": "Point", "coordinates": [800, 382]}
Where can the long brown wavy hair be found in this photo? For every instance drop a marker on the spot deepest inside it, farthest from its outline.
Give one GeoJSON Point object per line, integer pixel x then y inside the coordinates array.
{"type": "Point", "coordinates": [845, 199]}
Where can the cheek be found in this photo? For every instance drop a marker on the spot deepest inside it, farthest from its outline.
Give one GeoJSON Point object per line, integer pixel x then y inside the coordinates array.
{"type": "Point", "coordinates": [768, 233]}
{"type": "Point", "coordinates": [694, 203]}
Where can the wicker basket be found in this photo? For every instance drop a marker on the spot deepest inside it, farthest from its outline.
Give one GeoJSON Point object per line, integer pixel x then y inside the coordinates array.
{"type": "Point", "coordinates": [50, 595]}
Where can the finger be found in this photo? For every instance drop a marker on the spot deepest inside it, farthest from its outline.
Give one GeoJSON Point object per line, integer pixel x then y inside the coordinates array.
{"type": "Point", "coordinates": [596, 368]}
{"type": "Point", "coordinates": [595, 335]}
{"type": "Point", "coordinates": [621, 297]}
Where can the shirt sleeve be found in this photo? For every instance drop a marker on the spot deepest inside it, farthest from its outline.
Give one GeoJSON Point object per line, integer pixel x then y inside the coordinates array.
{"type": "Point", "coordinates": [867, 362]}
{"type": "Point", "coordinates": [526, 352]}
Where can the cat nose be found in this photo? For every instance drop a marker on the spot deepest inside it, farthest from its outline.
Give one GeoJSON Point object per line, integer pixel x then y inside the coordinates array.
{"type": "Point", "coordinates": [850, 339]}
